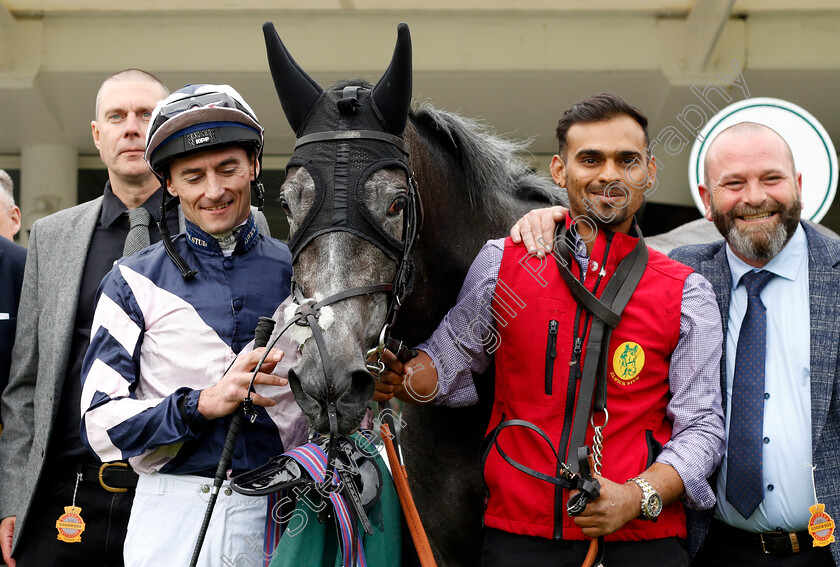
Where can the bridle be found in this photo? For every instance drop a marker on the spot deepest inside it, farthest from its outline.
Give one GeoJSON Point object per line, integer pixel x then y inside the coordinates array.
{"type": "Point", "coordinates": [399, 288]}
{"type": "Point", "coordinates": [309, 311]}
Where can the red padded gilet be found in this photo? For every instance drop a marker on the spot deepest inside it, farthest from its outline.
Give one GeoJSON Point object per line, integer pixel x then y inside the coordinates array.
{"type": "Point", "coordinates": [637, 385]}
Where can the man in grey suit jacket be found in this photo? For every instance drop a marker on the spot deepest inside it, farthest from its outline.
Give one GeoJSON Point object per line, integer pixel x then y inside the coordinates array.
{"type": "Point", "coordinates": [752, 193]}
{"type": "Point", "coordinates": [69, 252]}
{"type": "Point", "coordinates": [41, 453]}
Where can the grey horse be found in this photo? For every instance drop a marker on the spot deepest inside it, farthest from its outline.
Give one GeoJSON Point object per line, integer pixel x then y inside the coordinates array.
{"type": "Point", "coordinates": [362, 152]}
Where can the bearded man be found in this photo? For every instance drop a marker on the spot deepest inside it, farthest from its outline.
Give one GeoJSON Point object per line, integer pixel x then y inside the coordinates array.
{"type": "Point", "coordinates": [783, 434]}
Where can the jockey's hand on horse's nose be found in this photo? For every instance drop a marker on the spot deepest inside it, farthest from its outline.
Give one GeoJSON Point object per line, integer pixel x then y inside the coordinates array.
{"type": "Point", "coordinates": [391, 380]}
{"type": "Point", "coordinates": [616, 505]}
{"type": "Point", "coordinates": [536, 229]}
{"type": "Point", "coordinates": [223, 398]}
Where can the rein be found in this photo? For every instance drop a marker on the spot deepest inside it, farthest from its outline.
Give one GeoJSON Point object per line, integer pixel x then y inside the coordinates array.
{"type": "Point", "coordinates": [307, 315]}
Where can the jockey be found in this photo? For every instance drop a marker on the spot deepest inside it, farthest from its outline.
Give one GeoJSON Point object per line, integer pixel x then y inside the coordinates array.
{"type": "Point", "coordinates": [161, 377]}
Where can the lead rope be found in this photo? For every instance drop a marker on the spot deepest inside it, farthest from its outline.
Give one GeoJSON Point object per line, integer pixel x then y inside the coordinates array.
{"type": "Point", "coordinates": [388, 432]}
{"type": "Point", "coordinates": [412, 516]}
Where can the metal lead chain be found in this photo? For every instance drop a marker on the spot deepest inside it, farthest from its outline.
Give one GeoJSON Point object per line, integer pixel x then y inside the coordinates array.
{"type": "Point", "coordinates": [598, 442]}
{"type": "Point", "coordinates": [597, 449]}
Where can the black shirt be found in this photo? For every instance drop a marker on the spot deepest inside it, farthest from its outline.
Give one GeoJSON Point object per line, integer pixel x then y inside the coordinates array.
{"type": "Point", "coordinates": [106, 247]}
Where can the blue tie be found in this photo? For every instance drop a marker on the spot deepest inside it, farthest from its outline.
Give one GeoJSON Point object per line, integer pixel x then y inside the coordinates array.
{"type": "Point", "coordinates": [744, 489]}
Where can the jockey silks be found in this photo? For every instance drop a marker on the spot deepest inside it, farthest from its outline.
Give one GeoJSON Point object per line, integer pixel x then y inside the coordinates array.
{"type": "Point", "coordinates": [538, 367]}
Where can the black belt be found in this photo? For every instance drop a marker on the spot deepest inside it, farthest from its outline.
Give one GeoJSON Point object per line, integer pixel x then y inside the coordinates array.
{"type": "Point", "coordinates": [113, 477]}
{"type": "Point", "coordinates": [771, 543]}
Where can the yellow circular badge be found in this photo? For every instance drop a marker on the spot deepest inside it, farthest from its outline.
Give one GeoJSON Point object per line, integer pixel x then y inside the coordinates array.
{"type": "Point", "coordinates": [628, 361]}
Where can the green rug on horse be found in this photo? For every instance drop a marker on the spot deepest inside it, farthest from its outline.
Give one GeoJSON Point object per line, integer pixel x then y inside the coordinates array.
{"type": "Point", "coordinates": [317, 545]}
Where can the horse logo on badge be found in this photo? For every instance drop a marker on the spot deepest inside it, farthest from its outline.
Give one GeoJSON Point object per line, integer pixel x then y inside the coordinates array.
{"type": "Point", "coordinates": [70, 525]}
{"type": "Point", "coordinates": [628, 361]}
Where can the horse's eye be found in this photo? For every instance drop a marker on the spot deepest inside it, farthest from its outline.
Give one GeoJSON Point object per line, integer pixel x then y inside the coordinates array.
{"type": "Point", "coordinates": [397, 206]}
{"type": "Point", "coordinates": [284, 204]}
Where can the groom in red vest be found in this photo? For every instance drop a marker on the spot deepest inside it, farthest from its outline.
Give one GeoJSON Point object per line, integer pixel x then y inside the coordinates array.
{"type": "Point", "coordinates": [606, 345]}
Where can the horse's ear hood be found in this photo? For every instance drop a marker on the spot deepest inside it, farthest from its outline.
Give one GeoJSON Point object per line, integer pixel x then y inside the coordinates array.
{"type": "Point", "coordinates": [298, 92]}
{"type": "Point", "coordinates": [392, 94]}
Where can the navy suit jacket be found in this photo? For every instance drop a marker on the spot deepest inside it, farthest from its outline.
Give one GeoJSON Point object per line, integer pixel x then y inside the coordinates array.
{"type": "Point", "coordinates": [12, 261]}
{"type": "Point", "coordinates": [824, 280]}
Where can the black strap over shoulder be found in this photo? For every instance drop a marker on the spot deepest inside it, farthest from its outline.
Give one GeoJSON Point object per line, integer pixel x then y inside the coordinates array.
{"type": "Point", "coordinates": [616, 295]}
{"type": "Point", "coordinates": [606, 312]}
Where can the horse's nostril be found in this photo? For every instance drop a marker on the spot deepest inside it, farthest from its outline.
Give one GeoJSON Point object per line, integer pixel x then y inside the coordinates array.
{"type": "Point", "coordinates": [360, 387]}
{"type": "Point", "coordinates": [294, 380]}
{"type": "Point", "coordinates": [361, 380]}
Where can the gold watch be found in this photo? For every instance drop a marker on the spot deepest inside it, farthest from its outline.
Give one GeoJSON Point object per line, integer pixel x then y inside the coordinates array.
{"type": "Point", "coordinates": [651, 501]}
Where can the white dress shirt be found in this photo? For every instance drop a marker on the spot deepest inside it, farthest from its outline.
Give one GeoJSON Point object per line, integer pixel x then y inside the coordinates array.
{"type": "Point", "coordinates": [786, 455]}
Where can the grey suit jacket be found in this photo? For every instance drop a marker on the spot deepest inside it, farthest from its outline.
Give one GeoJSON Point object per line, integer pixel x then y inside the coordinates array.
{"type": "Point", "coordinates": [58, 246]}
{"type": "Point", "coordinates": [824, 281]}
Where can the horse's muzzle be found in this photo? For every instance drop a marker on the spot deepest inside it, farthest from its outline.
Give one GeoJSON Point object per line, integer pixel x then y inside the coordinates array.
{"type": "Point", "coordinates": [351, 401]}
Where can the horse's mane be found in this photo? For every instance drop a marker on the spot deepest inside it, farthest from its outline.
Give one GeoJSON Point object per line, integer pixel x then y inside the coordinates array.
{"type": "Point", "coordinates": [498, 177]}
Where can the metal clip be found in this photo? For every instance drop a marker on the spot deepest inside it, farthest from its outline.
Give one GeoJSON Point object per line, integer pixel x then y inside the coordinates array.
{"type": "Point", "coordinates": [376, 367]}
{"type": "Point", "coordinates": [248, 409]}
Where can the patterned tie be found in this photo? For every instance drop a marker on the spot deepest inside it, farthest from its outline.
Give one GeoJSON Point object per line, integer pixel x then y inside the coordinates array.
{"type": "Point", "coordinates": [138, 231]}
{"type": "Point", "coordinates": [744, 489]}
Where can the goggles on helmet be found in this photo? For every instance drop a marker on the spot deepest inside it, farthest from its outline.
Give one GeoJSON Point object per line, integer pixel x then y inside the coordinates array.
{"type": "Point", "coordinates": [195, 119]}
{"type": "Point", "coordinates": [198, 118]}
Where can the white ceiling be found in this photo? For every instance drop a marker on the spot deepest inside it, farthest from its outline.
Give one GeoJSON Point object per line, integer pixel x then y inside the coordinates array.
{"type": "Point", "coordinates": [55, 7]}
{"type": "Point", "coordinates": [513, 64]}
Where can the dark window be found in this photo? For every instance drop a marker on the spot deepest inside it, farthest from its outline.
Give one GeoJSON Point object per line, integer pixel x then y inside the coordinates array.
{"type": "Point", "coordinates": [15, 175]}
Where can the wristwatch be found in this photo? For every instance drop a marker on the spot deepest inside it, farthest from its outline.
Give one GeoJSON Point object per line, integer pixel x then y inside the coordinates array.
{"type": "Point", "coordinates": [651, 501]}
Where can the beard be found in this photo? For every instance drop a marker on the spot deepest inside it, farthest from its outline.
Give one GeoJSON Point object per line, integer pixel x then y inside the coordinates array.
{"type": "Point", "coordinates": [761, 242]}
{"type": "Point", "coordinates": [604, 213]}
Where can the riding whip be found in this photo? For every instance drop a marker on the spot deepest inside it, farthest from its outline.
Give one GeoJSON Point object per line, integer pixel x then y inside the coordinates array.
{"type": "Point", "coordinates": [261, 336]}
